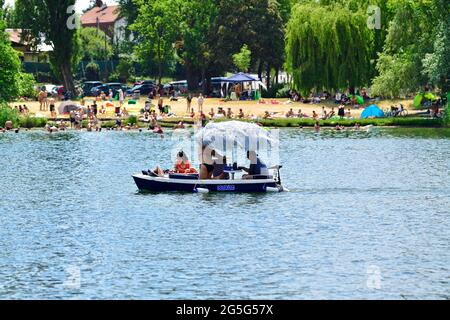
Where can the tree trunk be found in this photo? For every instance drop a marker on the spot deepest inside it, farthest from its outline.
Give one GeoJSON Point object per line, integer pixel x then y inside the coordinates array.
{"type": "Point", "coordinates": [159, 62]}
{"type": "Point", "coordinates": [260, 67]}
{"type": "Point", "coordinates": [268, 77]}
{"type": "Point", "coordinates": [67, 77]}
{"type": "Point", "coordinates": [191, 77]}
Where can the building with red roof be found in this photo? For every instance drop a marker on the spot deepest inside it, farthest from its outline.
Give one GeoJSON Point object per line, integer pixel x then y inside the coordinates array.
{"type": "Point", "coordinates": [107, 19]}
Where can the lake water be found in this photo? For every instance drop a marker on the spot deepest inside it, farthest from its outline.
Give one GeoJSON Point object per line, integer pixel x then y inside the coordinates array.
{"type": "Point", "coordinates": [368, 217]}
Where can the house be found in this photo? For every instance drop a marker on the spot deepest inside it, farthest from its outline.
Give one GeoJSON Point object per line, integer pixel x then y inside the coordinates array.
{"type": "Point", "coordinates": [28, 53]}
{"type": "Point", "coordinates": [107, 19]}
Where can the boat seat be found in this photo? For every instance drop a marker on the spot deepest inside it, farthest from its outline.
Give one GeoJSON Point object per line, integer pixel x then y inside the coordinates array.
{"type": "Point", "coordinates": [261, 177]}
{"type": "Point", "coordinates": [145, 172]}
{"type": "Point", "coordinates": [193, 176]}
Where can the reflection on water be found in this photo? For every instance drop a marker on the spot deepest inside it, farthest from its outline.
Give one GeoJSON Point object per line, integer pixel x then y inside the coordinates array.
{"type": "Point", "coordinates": [367, 217]}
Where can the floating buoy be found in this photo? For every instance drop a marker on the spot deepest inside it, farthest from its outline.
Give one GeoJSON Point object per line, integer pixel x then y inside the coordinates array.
{"type": "Point", "coordinates": [270, 189]}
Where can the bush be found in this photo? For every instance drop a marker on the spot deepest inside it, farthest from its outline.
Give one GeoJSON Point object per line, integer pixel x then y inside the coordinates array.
{"type": "Point", "coordinates": [114, 77]}
{"type": "Point", "coordinates": [132, 120]}
{"type": "Point", "coordinates": [32, 122]}
{"type": "Point", "coordinates": [26, 86]}
{"type": "Point", "coordinates": [8, 114]}
{"type": "Point", "coordinates": [92, 71]}
{"type": "Point", "coordinates": [279, 90]}
{"type": "Point", "coordinates": [124, 70]}
{"type": "Point", "coordinates": [407, 122]}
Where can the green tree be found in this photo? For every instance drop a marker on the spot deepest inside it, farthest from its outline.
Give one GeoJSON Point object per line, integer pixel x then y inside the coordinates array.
{"type": "Point", "coordinates": [96, 45]}
{"type": "Point", "coordinates": [10, 74]}
{"type": "Point", "coordinates": [437, 63]}
{"type": "Point", "coordinates": [242, 59]}
{"type": "Point", "coordinates": [411, 38]}
{"type": "Point", "coordinates": [328, 47]}
{"type": "Point", "coordinates": [156, 27]}
{"type": "Point", "coordinates": [48, 21]}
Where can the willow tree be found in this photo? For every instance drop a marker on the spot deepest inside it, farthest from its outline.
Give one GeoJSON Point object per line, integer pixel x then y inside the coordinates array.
{"type": "Point", "coordinates": [327, 47]}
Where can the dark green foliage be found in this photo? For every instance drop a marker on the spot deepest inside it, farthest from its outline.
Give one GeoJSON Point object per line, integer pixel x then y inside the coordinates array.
{"type": "Point", "coordinates": [328, 47]}
{"type": "Point", "coordinates": [92, 71]}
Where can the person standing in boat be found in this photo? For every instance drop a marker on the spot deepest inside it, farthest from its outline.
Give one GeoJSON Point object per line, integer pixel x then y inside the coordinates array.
{"type": "Point", "coordinates": [209, 161]}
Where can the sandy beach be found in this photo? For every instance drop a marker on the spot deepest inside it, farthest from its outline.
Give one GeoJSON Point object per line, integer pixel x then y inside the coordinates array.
{"type": "Point", "coordinates": [277, 107]}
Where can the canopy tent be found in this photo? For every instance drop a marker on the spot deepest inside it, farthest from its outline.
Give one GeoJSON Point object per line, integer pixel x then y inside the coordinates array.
{"type": "Point", "coordinates": [244, 77]}
{"type": "Point", "coordinates": [67, 106]}
{"type": "Point", "coordinates": [230, 137]}
{"type": "Point", "coordinates": [372, 112]}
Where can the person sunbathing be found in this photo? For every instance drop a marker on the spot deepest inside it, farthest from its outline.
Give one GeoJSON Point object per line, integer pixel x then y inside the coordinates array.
{"type": "Point", "coordinates": [229, 113]}
{"type": "Point", "coordinates": [290, 114]}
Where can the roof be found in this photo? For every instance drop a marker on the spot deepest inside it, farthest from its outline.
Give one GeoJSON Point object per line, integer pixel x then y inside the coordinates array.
{"type": "Point", "coordinates": [106, 15]}
{"type": "Point", "coordinates": [15, 36]}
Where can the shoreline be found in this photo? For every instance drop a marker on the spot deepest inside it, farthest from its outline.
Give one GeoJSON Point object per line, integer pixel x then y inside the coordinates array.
{"type": "Point", "coordinates": [252, 109]}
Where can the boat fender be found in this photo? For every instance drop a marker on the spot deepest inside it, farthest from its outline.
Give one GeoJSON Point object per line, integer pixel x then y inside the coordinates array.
{"type": "Point", "coordinates": [270, 189]}
{"type": "Point", "coordinates": [201, 190]}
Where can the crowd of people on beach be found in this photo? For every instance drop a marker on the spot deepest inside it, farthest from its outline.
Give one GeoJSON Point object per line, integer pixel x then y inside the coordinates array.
{"type": "Point", "coordinates": [347, 98]}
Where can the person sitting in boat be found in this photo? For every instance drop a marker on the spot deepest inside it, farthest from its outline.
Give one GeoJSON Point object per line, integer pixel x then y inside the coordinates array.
{"type": "Point", "coordinates": [257, 167]}
{"type": "Point", "coordinates": [182, 164]}
{"type": "Point", "coordinates": [219, 169]}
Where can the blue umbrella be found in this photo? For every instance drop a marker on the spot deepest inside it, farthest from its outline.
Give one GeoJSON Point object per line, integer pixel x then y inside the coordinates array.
{"type": "Point", "coordinates": [372, 112]}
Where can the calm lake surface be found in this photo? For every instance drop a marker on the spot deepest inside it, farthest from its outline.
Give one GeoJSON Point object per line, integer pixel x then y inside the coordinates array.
{"type": "Point", "coordinates": [368, 217]}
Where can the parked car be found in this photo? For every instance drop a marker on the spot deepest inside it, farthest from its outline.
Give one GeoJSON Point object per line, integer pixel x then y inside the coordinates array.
{"type": "Point", "coordinates": [143, 89]}
{"type": "Point", "coordinates": [88, 85]}
{"type": "Point", "coordinates": [179, 86]}
{"type": "Point", "coordinates": [144, 82]}
{"type": "Point", "coordinates": [96, 91]}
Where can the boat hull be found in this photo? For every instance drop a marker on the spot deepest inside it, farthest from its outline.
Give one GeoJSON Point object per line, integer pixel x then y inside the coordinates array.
{"type": "Point", "coordinates": [163, 184]}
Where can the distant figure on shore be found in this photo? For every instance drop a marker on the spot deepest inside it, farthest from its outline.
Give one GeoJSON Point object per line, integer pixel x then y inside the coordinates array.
{"type": "Point", "coordinates": [42, 98]}
{"type": "Point", "coordinates": [315, 115]}
{"type": "Point", "coordinates": [200, 102]}
{"type": "Point", "coordinates": [229, 113]}
{"type": "Point", "coordinates": [52, 108]}
{"type": "Point", "coordinates": [121, 97]}
{"type": "Point", "coordinates": [211, 113]}
{"type": "Point", "coordinates": [290, 113]}
{"type": "Point", "coordinates": [188, 103]}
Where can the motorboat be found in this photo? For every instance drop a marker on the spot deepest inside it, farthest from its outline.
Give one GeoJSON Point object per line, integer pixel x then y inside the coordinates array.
{"type": "Point", "coordinates": [225, 138]}
{"type": "Point", "coordinates": [170, 182]}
